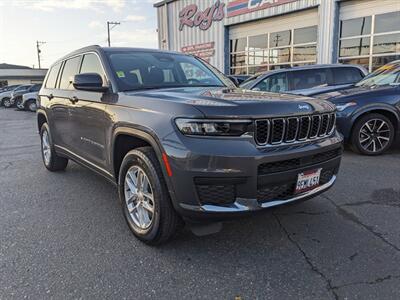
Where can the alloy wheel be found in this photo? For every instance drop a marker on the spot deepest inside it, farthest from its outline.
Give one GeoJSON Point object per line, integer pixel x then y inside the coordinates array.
{"type": "Point", "coordinates": [139, 197]}
{"type": "Point", "coordinates": [32, 106]}
{"type": "Point", "coordinates": [374, 135]}
{"type": "Point", "coordinates": [46, 147]}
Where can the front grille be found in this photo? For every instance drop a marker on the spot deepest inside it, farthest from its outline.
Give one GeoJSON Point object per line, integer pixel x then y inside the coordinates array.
{"type": "Point", "coordinates": [216, 194]}
{"type": "Point", "coordinates": [295, 163]}
{"type": "Point", "coordinates": [285, 190]}
{"type": "Point", "coordinates": [291, 129]}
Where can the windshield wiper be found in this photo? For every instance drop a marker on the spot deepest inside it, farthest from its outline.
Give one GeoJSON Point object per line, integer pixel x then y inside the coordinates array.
{"type": "Point", "coordinates": [151, 87]}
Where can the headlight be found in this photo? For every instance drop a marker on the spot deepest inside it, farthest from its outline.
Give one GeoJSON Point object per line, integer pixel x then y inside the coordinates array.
{"type": "Point", "coordinates": [213, 127]}
{"type": "Point", "coordinates": [342, 107]}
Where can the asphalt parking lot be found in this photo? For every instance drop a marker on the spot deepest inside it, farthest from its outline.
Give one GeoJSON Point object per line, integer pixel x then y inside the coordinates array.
{"type": "Point", "coordinates": [62, 235]}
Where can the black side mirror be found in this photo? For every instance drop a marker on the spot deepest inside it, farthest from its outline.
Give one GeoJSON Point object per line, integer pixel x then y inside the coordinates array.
{"type": "Point", "coordinates": [91, 82]}
{"type": "Point", "coordinates": [234, 80]}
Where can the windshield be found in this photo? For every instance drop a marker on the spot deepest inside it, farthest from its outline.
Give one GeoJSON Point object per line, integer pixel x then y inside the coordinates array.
{"type": "Point", "coordinates": [386, 75]}
{"type": "Point", "coordinates": [249, 82]}
{"type": "Point", "coordinates": [137, 70]}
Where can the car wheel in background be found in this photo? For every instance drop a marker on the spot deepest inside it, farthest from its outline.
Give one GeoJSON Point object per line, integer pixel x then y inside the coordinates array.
{"type": "Point", "coordinates": [7, 102]}
{"type": "Point", "coordinates": [18, 104]}
{"type": "Point", "coordinates": [31, 105]}
{"type": "Point", "coordinates": [373, 134]}
{"type": "Point", "coordinates": [145, 199]}
{"type": "Point", "coordinates": [51, 160]}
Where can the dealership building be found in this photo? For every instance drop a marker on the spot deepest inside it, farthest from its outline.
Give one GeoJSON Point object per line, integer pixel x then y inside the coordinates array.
{"type": "Point", "coordinates": [252, 36]}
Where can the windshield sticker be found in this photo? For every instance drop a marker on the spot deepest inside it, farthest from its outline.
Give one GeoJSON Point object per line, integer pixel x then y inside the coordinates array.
{"type": "Point", "coordinates": [120, 74]}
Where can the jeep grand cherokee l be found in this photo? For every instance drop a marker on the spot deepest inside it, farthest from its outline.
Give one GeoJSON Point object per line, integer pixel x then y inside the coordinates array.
{"type": "Point", "coordinates": [180, 141]}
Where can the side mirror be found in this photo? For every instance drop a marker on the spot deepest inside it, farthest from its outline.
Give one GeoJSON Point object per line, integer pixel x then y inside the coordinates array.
{"type": "Point", "coordinates": [91, 82]}
{"type": "Point", "coordinates": [234, 80]}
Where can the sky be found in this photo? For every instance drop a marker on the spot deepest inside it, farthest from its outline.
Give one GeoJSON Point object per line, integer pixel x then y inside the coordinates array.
{"type": "Point", "coordinates": [67, 25]}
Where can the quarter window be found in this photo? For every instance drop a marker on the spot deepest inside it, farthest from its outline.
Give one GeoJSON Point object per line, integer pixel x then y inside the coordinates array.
{"type": "Point", "coordinates": [71, 67]}
{"type": "Point", "coordinates": [52, 78]}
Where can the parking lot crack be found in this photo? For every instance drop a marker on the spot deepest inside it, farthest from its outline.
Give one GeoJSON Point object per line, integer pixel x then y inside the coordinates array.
{"type": "Point", "coordinates": [351, 217]}
{"type": "Point", "coordinates": [304, 213]}
{"type": "Point", "coordinates": [372, 282]}
{"type": "Point", "coordinates": [307, 258]}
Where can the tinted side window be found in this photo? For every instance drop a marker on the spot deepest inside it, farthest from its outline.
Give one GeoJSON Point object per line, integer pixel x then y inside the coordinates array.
{"type": "Point", "coordinates": [91, 64]}
{"type": "Point", "coordinates": [52, 78]}
{"type": "Point", "coordinates": [346, 75]}
{"type": "Point", "coordinates": [274, 83]}
{"type": "Point", "coordinates": [36, 88]}
{"type": "Point", "coordinates": [70, 69]}
{"type": "Point", "coordinates": [309, 78]}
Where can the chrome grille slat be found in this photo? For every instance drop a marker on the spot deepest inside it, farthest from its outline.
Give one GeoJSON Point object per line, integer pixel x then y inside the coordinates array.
{"type": "Point", "coordinates": [276, 131]}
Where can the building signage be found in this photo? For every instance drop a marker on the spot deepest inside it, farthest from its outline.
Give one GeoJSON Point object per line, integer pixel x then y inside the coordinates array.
{"type": "Point", "coordinates": [204, 51]}
{"type": "Point", "coordinates": [239, 7]}
{"type": "Point", "coordinates": [191, 16]}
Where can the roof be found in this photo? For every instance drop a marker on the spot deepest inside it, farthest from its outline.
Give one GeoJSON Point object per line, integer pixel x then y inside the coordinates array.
{"type": "Point", "coordinates": [162, 2]}
{"type": "Point", "coordinates": [97, 48]}
{"type": "Point", "coordinates": [9, 66]}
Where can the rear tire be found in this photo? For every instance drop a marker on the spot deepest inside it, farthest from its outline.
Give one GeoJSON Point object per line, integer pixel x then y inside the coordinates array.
{"type": "Point", "coordinates": [18, 104]}
{"type": "Point", "coordinates": [7, 102]}
{"type": "Point", "coordinates": [51, 160]}
{"type": "Point", "coordinates": [147, 208]}
{"type": "Point", "coordinates": [372, 134]}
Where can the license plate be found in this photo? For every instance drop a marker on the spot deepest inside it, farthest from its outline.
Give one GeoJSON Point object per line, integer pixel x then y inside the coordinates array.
{"type": "Point", "coordinates": [307, 181]}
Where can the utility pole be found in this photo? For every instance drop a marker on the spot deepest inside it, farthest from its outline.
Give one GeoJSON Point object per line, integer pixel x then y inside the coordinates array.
{"type": "Point", "coordinates": [109, 29]}
{"type": "Point", "coordinates": [38, 44]}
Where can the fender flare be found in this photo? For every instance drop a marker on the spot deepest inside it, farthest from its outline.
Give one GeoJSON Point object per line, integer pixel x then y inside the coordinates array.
{"type": "Point", "coordinates": [40, 111]}
{"type": "Point", "coordinates": [151, 138]}
{"type": "Point", "coordinates": [376, 106]}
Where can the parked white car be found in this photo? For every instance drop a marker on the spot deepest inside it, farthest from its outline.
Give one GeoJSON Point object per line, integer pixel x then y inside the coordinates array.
{"type": "Point", "coordinates": [29, 101]}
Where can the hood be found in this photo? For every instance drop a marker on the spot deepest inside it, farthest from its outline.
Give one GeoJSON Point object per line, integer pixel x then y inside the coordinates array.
{"type": "Point", "coordinates": [228, 102]}
{"type": "Point", "coordinates": [354, 92]}
{"type": "Point", "coordinates": [30, 95]}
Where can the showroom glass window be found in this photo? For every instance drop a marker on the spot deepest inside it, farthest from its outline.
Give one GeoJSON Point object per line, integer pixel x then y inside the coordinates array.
{"type": "Point", "coordinates": [273, 50]}
{"type": "Point", "coordinates": [370, 41]}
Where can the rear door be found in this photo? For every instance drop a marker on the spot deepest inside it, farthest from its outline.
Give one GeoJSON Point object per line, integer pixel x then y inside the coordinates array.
{"type": "Point", "coordinates": [87, 117]}
{"type": "Point", "coordinates": [61, 102]}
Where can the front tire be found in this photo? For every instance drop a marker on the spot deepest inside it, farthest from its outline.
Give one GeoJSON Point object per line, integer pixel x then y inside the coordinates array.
{"type": "Point", "coordinates": [51, 160]}
{"type": "Point", "coordinates": [145, 199]}
{"type": "Point", "coordinates": [373, 134]}
{"type": "Point", "coordinates": [18, 104]}
{"type": "Point", "coordinates": [31, 105]}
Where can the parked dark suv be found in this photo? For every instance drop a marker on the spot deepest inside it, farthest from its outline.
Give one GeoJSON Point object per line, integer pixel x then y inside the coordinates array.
{"type": "Point", "coordinates": [308, 80]}
{"type": "Point", "coordinates": [180, 140]}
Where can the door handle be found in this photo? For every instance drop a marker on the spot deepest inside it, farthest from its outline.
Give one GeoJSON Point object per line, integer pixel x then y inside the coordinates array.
{"type": "Point", "coordinates": [50, 96]}
{"type": "Point", "coordinates": [74, 99]}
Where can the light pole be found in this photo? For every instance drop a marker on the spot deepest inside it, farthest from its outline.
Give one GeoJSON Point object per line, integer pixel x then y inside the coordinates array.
{"type": "Point", "coordinates": [38, 44]}
{"type": "Point", "coordinates": [109, 29]}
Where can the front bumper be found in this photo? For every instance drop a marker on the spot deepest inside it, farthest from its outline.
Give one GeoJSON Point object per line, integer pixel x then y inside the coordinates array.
{"type": "Point", "coordinates": [229, 182]}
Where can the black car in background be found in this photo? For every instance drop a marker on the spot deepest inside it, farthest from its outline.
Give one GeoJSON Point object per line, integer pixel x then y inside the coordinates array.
{"type": "Point", "coordinates": [306, 80]}
{"type": "Point", "coordinates": [368, 113]}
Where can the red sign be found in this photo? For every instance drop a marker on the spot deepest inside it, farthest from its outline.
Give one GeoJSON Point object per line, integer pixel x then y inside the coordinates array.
{"type": "Point", "coordinates": [204, 51]}
{"type": "Point", "coordinates": [240, 7]}
{"type": "Point", "coordinates": [191, 16]}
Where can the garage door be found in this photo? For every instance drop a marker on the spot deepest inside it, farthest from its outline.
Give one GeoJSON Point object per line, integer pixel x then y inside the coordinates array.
{"type": "Point", "coordinates": [369, 32]}
{"type": "Point", "coordinates": [273, 43]}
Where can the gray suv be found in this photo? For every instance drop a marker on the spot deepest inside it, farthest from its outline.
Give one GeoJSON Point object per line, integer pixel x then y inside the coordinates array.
{"type": "Point", "coordinates": [180, 141]}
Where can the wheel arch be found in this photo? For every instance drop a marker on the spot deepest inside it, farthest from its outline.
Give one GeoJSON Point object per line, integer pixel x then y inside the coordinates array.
{"type": "Point", "coordinates": [125, 139]}
{"type": "Point", "coordinates": [41, 119]}
{"type": "Point", "coordinates": [387, 111]}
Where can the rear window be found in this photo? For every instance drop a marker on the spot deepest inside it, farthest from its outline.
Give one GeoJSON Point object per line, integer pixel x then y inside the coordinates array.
{"type": "Point", "coordinates": [346, 75]}
{"type": "Point", "coordinates": [306, 79]}
{"type": "Point", "coordinates": [52, 78]}
{"type": "Point", "coordinates": [70, 69]}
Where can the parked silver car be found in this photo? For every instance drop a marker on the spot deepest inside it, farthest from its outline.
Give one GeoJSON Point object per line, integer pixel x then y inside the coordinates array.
{"type": "Point", "coordinates": [28, 101]}
{"type": "Point", "coordinates": [5, 95]}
